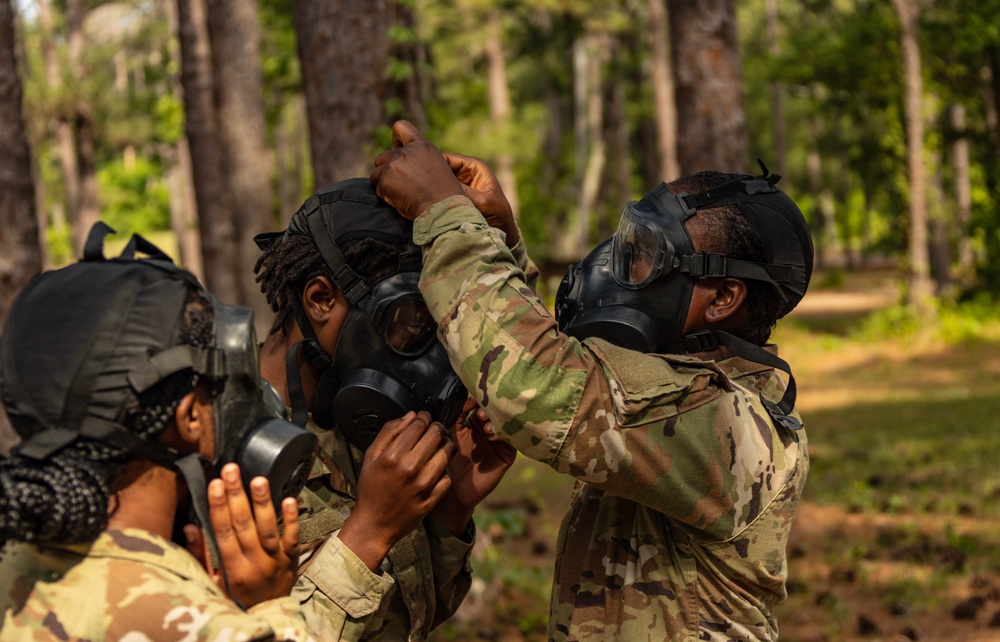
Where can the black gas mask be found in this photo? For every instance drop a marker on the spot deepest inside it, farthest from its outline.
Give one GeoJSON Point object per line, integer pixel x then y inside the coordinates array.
{"type": "Point", "coordinates": [635, 289]}
{"type": "Point", "coordinates": [387, 360]}
{"type": "Point", "coordinates": [82, 343]}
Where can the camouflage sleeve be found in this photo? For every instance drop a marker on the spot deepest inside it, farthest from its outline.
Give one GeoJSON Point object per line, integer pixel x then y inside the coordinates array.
{"type": "Point", "coordinates": [524, 263]}
{"type": "Point", "coordinates": [451, 568]}
{"type": "Point", "coordinates": [338, 593]}
{"type": "Point", "coordinates": [148, 599]}
{"type": "Point", "coordinates": [585, 409]}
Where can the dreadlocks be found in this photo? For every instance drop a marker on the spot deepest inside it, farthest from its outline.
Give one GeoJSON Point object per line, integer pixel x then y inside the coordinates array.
{"type": "Point", "coordinates": [285, 267]}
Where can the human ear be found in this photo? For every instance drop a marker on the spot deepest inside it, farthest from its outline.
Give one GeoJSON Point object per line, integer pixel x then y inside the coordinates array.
{"type": "Point", "coordinates": [318, 298]}
{"type": "Point", "coordinates": [730, 294]}
{"type": "Point", "coordinates": [188, 418]}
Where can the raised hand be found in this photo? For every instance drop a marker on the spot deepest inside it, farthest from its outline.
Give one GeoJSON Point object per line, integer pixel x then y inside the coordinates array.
{"type": "Point", "coordinates": [414, 175]}
{"type": "Point", "coordinates": [259, 563]}
{"type": "Point", "coordinates": [481, 186]}
{"type": "Point", "coordinates": [403, 476]}
{"type": "Point", "coordinates": [476, 470]}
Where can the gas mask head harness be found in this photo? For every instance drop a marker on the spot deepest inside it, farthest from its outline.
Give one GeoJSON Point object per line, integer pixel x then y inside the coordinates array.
{"type": "Point", "coordinates": [634, 290]}
{"type": "Point", "coordinates": [82, 343]}
{"type": "Point", "coordinates": [387, 360]}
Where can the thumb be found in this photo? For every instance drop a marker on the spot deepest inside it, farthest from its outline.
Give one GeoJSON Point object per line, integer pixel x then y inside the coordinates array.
{"type": "Point", "coordinates": [404, 132]}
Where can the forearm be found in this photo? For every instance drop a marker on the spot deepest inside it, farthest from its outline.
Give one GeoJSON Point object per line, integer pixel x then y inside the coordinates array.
{"type": "Point", "coordinates": [450, 564]}
{"type": "Point", "coordinates": [502, 340]}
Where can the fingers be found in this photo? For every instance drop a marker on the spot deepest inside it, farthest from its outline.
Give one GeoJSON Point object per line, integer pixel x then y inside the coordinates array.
{"type": "Point", "coordinates": [388, 434]}
{"type": "Point", "coordinates": [263, 512]}
{"type": "Point", "coordinates": [290, 534]}
{"type": "Point", "coordinates": [404, 133]}
{"type": "Point", "coordinates": [412, 433]}
{"type": "Point", "coordinates": [239, 508]}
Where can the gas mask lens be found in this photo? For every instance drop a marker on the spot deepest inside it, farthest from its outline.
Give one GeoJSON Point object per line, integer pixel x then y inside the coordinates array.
{"type": "Point", "coordinates": [410, 327]}
{"type": "Point", "coordinates": [639, 251]}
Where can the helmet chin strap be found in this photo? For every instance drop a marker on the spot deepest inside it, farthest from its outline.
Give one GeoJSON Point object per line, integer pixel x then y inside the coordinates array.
{"type": "Point", "coordinates": [293, 377]}
{"type": "Point", "coordinates": [706, 340]}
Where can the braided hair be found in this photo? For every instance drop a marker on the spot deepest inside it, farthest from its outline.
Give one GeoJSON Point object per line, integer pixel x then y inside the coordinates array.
{"type": "Point", "coordinates": [725, 230]}
{"type": "Point", "coordinates": [64, 499]}
{"type": "Point", "coordinates": [285, 266]}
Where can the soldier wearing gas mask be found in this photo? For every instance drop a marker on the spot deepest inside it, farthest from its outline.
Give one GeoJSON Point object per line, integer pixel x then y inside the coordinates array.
{"type": "Point", "coordinates": [654, 387]}
{"type": "Point", "coordinates": [352, 347]}
{"type": "Point", "coordinates": [130, 385]}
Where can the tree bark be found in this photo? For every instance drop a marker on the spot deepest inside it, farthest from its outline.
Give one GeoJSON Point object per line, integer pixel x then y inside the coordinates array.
{"type": "Point", "coordinates": [216, 212]}
{"type": "Point", "coordinates": [234, 34]}
{"type": "Point", "coordinates": [343, 53]}
{"type": "Point", "coordinates": [921, 288]}
{"type": "Point", "coordinates": [665, 106]}
{"type": "Point", "coordinates": [711, 124]}
{"type": "Point", "coordinates": [20, 258]}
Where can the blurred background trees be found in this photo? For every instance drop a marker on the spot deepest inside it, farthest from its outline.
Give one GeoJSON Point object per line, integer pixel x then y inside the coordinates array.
{"type": "Point", "coordinates": [201, 123]}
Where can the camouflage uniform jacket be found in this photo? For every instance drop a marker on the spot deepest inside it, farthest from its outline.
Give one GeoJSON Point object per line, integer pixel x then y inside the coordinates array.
{"type": "Point", "coordinates": [686, 490]}
{"type": "Point", "coordinates": [423, 580]}
{"type": "Point", "coordinates": [128, 585]}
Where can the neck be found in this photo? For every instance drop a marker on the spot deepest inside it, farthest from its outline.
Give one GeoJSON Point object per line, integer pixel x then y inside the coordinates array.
{"type": "Point", "coordinates": [273, 355]}
{"type": "Point", "coordinates": [147, 499]}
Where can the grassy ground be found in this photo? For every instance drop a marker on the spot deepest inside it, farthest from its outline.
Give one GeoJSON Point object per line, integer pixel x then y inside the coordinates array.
{"type": "Point", "coordinates": [897, 537]}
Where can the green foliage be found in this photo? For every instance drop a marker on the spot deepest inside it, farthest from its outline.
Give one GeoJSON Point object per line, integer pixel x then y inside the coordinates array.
{"type": "Point", "coordinates": [134, 198]}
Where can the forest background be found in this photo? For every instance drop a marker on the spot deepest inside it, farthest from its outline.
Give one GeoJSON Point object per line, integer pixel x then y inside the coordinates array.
{"type": "Point", "coordinates": [200, 123]}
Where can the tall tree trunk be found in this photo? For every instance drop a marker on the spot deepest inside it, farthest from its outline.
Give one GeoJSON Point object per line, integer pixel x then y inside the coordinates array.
{"type": "Point", "coordinates": [289, 144]}
{"type": "Point", "coordinates": [500, 108]}
{"type": "Point", "coordinates": [590, 53]}
{"type": "Point", "coordinates": [86, 211]}
{"type": "Point", "coordinates": [184, 209]}
{"type": "Point", "coordinates": [921, 288]}
{"type": "Point", "coordinates": [180, 176]}
{"type": "Point", "coordinates": [665, 106]}
{"type": "Point", "coordinates": [939, 231]}
{"type": "Point", "coordinates": [234, 34]}
{"type": "Point", "coordinates": [777, 92]}
{"type": "Point", "coordinates": [711, 124]}
{"type": "Point", "coordinates": [343, 52]}
{"type": "Point", "coordinates": [216, 211]}
{"type": "Point", "coordinates": [20, 258]}
{"type": "Point", "coordinates": [963, 195]}
{"type": "Point", "coordinates": [65, 143]}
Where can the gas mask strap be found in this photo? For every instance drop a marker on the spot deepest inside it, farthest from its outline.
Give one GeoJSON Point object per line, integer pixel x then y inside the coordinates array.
{"type": "Point", "coordinates": [780, 412]}
{"type": "Point", "coordinates": [293, 378]}
{"type": "Point", "coordinates": [192, 467]}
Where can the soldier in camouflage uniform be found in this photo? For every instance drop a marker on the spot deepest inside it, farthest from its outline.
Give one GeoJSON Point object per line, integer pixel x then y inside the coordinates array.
{"type": "Point", "coordinates": [89, 497]}
{"type": "Point", "coordinates": [413, 549]}
{"type": "Point", "coordinates": [689, 466]}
